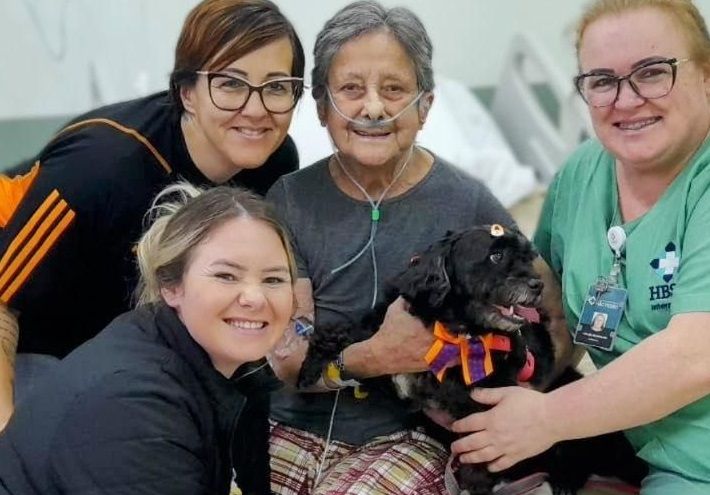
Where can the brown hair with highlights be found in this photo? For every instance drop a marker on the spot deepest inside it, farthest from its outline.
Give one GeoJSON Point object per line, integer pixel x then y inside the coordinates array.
{"type": "Point", "coordinates": [218, 32]}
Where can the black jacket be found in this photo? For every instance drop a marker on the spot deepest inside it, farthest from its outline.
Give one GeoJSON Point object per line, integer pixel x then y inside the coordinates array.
{"type": "Point", "coordinates": [71, 236]}
{"type": "Point", "coordinates": [140, 410]}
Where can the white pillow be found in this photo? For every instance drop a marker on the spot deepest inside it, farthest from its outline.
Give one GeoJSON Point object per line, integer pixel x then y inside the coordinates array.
{"type": "Point", "coordinates": [462, 131]}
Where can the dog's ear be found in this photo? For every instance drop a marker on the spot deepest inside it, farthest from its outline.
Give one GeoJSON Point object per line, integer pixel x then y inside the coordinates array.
{"type": "Point", "coordinates": [425, 281]}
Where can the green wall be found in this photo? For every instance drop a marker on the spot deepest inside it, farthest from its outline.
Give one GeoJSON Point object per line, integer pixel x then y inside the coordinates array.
{"type": "Point", "coordinates": [22, 139]}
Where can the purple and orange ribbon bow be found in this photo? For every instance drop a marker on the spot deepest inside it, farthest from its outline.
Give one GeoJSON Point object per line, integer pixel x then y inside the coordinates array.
{"type": "Point", "coordinates": [472, 353]}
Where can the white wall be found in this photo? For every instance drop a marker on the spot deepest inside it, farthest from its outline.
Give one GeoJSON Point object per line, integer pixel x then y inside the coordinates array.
{"type": "Point", "coordinates": [470, 37]}
{"type": "Point", "coordinates": [64, 56]}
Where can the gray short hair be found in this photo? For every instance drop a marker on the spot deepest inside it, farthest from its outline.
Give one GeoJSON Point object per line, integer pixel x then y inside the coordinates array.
{"type": "Point", "coordinates": [367, 16]}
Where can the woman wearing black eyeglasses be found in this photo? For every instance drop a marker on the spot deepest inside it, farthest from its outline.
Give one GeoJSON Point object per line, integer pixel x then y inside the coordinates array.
{"type": "Point", "coordinates": [633, 207]}
{"type": "Point", "coordinates": [68, 224]}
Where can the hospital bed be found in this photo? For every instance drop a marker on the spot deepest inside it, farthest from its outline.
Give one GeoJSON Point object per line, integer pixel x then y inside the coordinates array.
{"type": "Point", "coordinates": [537, 108]}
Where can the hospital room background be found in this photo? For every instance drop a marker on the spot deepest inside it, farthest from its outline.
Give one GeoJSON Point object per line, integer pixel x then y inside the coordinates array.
{"type": "Point", "coordinates": [505, 108]}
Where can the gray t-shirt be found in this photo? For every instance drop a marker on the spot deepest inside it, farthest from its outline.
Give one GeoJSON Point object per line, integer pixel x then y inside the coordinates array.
{"type": "Point", "coordinates": [328, 228]}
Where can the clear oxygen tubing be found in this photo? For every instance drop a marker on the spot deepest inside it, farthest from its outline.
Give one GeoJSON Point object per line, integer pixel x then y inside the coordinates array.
{"type": "Point", "coordinates": [370, 124]}
{"type": "Point", "coordinates": [370, 243]}
{"type": "Point", "coordinates": [324, 456]}
{"type": "Point", "coordinates": [374, 218]}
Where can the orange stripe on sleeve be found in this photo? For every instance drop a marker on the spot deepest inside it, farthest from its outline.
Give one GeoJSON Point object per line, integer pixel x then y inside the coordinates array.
{"type": "Point", "coordinates": [126, 130]}
{"type": "Point", "coordinates": [12, 190]}
{"type": "Point", "coordinates": [36, 239]}
{"type": "Point", "coordinates": [29, 226]}
{"type": "Point", "coordinates": [39, 255]}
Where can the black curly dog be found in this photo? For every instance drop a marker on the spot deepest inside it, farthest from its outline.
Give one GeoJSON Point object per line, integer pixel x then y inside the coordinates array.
{"type": "Point", "coordinates": [477, 282]}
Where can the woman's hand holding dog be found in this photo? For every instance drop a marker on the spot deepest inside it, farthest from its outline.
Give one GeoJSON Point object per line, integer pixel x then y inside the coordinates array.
{"type": "Point", "coordinates": [515, 429]}
{"type": "Point", "coordinates": [399, 346]}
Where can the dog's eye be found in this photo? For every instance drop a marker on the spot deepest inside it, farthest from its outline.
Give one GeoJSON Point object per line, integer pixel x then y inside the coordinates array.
{"type": "Point", "coordinates": [496, 257]}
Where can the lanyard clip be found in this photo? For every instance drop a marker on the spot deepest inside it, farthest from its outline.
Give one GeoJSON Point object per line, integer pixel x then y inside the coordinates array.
{"type": "Point", "coordinates": [601, 286]}
{"type": "Point", "coordinates": [616, 236]}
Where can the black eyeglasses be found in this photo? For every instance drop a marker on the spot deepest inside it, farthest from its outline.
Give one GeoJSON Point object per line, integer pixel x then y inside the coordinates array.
{"type": "Point", "coordinates": [654, 79]}
{"type": "Point", "coordinates": [231, 93]}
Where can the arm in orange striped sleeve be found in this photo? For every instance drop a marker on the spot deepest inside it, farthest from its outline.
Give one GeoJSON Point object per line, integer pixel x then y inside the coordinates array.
{"type": "Point", "coordinates": [9, 332]}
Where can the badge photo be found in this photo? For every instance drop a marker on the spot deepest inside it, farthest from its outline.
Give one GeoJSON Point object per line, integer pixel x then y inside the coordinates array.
{"type": "Point", "coordinates": [600, 318]}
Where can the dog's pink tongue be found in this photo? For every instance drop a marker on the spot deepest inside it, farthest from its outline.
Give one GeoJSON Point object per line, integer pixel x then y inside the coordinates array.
{"type": "Point", "coordinates": [529, 314]}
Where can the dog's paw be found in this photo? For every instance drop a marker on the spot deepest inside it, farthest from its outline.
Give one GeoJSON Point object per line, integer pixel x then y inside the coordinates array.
{"type": "Point", "coordinates": [310, 373]}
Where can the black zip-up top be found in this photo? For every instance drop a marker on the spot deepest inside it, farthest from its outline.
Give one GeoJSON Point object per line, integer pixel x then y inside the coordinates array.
{"type": "Point", "coordinates": [140, 409]}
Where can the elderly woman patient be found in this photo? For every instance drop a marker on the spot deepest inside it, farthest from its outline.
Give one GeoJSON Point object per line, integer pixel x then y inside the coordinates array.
{"type": "Point", "coordinates": [156, 403]}
{"type": "Point", "coordinates": [356, 218]}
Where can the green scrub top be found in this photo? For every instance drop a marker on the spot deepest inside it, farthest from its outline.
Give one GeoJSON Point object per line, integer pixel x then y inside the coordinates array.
{"type": "Point", "coordinates": [665, 268]}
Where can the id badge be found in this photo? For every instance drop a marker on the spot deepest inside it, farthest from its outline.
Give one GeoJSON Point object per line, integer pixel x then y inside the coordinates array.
{"type": "Point", "coordinates": [600, 318]}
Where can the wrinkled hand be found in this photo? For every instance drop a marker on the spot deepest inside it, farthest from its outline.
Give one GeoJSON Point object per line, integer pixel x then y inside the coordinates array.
{"type": "Point", "coordinates": [514, 429]}
{"type": "Point", "coordinates": [402, 341]}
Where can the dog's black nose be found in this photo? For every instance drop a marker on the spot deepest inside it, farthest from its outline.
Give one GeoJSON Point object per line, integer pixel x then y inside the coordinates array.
{"type": "Point", "coordinates": [535, 284]}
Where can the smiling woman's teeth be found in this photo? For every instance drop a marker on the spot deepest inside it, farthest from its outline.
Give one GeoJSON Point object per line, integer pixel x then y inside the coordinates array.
{"type": "Point", "coordinates": [634, 126]}
{"type": "Point", "coordinates": [250, 132]}
{"type": "Point", "coordinates": [371, 134]}
{"type": "Point", "coordinates": [249, 325]}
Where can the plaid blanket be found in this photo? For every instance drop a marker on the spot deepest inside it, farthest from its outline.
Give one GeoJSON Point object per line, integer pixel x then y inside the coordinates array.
{"type": "Point", "coordinates": [404, 463]}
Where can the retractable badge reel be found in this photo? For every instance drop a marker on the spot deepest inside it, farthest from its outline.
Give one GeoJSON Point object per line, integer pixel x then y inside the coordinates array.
{"type": "Point", "coordinates": [604, 306]}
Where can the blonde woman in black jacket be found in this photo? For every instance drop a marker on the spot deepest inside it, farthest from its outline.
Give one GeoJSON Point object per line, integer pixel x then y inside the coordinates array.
{"type": "Point", "coordinates": [156, 403]}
